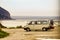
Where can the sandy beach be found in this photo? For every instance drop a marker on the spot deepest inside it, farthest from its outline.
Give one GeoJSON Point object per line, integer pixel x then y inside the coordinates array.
{"type": "Point", "coordinates": [21, 34]}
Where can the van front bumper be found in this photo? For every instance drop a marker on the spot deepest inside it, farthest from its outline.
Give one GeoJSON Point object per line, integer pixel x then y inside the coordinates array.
{"type": "Point", "coordinates": [25, 28]}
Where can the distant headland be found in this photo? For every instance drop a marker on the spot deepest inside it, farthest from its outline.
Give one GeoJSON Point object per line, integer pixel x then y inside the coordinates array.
{"type": "Point", "coordinates": [4, 14]}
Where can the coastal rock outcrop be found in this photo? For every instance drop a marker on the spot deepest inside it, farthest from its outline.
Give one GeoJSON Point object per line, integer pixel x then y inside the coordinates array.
{"type": "Point", "coordinates": [4, 14]}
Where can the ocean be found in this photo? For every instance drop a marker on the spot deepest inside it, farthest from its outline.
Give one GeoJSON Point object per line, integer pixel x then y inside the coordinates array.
{"type": "Point", "coordinates": [23, 20]}
{"type": "Point", "coordinates": [13, 23]}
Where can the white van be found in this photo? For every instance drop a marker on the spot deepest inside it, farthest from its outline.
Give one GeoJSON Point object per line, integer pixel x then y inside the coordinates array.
{"type": "Point", "coordinates": [37, 25]}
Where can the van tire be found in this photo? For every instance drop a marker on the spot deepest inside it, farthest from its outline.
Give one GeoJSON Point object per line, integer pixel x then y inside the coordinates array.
{"type": "Point", "coordinates": [44, 29]}
{"type": "Point", "coordinates": [28, 29]}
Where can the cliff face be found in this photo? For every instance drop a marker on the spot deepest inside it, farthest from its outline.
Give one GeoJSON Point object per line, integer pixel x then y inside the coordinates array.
{"type": "Point", "coordinates": [4, 14]}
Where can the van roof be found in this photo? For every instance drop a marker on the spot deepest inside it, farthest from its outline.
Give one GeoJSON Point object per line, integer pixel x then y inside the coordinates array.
{"type": "Point", "coordinates": [40, 21]}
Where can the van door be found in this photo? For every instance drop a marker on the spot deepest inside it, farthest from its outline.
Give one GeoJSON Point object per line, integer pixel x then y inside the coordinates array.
{"type": "Point", "coordinates": [37, 25]}
{"type": "Point", "coordinates": [31, 25]}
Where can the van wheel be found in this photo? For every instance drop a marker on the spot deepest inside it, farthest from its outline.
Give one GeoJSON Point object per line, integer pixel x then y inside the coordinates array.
{"type": "Point", "coordinates": [28, 29]}
{"type": "Point", "coordinates": [44, 29]}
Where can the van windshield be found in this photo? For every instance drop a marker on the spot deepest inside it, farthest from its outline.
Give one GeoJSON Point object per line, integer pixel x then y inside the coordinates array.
{"type": "Point", "coordinates": [31, 23]}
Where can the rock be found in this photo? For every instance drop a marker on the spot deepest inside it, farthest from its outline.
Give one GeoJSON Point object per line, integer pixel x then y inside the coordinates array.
{"type": "Point", "coordinates": [4, 14]}
{"type": "Point", "coordinates": [1, 26]}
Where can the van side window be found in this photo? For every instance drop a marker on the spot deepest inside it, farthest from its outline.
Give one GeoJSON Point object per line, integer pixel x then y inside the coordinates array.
{"type": "Point", "coordinates": [44, 22]}
{"type": "Point", "coordinates": [38, 22]}
{"type": "Point", "coordinates": [33, 22]}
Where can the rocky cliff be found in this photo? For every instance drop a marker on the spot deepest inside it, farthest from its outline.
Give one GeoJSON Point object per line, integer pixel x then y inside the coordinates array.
{"type": "Point", "coordinates": [4, 14]}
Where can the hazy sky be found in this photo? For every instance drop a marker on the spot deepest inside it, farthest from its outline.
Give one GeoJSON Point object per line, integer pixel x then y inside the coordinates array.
{"type": "Point", "coordinates": [31, 7]}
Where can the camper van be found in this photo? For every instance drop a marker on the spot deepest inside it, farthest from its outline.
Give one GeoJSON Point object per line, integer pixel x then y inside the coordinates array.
{"type": "Point", "coordinates": [38, 25]}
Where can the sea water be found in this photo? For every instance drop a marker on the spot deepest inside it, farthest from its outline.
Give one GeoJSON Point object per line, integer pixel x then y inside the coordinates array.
{"type": "Point", "coordinates": [23, 20]}
{"type": "Point", "coordinates": [14, 23]}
